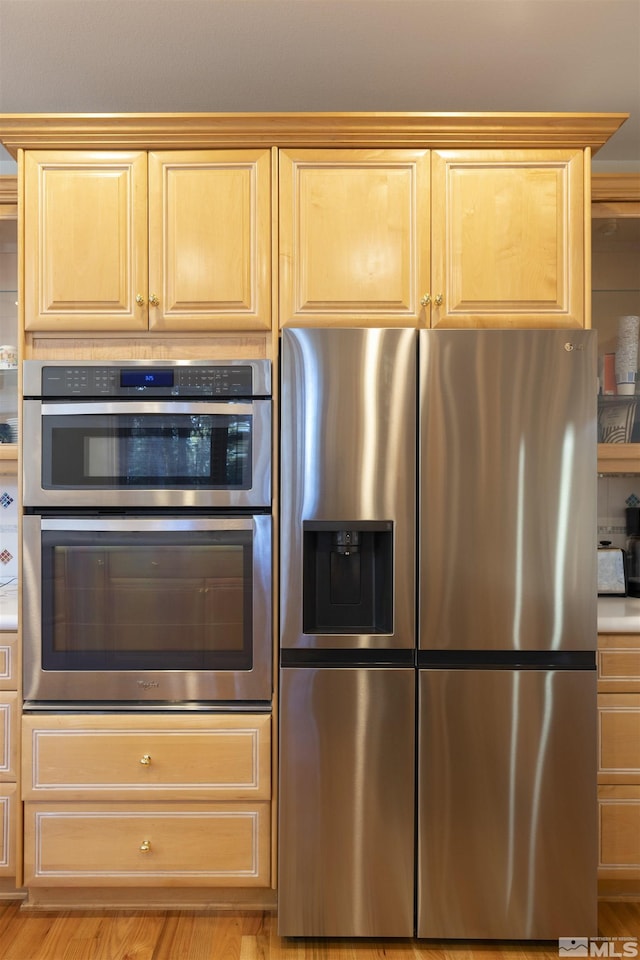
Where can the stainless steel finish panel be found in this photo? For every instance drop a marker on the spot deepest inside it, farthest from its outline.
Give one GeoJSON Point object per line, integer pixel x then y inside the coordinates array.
{"type": "Point", "coordinates": [32, 370]}
{"type": "Point", "coordinates": [348, 452]}
{"type": "Point", "coordinates": [35, 495]}
{"type": "Point", "coordinates": [508, 485]}
{"type": "Point", "coordinates": [178, 686]}
{"type": "Point", "coordinates": [346, 802]}
{"type": "Point", "coordinates": [507, 812]}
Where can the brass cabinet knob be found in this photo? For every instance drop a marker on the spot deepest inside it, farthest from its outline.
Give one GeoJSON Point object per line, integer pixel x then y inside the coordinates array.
{"type": "Point", "coordinates": [139, 299]}
{"type": "Point", "coordinates": [145, 846]}
{"type": "Point", "coordinates": [146, 760]}
{"type": "Point", "coordinates": [153, 300]}
{"type": "Point", "coordinates": [438, 300]}
{"type": "Point", "coordinates": [426, 300]}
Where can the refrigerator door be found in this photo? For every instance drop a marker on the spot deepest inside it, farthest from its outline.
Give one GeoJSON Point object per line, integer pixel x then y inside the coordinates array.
{"type": "Point", "coordinates": [348, 466]}
{"type": "Point", "coordinates": [507, 814]}
{"type": "Point", "coordinates": [346, 797]}
{"type": "Point", "coordinates": [508, 487]}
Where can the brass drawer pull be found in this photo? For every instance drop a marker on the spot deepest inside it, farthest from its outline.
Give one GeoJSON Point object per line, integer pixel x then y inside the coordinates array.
{"type": "Point", "coordinates": [145, 846]}
{"type": "Point", "coordinates": [146, 760]}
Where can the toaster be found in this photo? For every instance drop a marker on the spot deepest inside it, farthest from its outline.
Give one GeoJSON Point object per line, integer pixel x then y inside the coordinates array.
{"type": "Point", "coordinates": [612, 571]}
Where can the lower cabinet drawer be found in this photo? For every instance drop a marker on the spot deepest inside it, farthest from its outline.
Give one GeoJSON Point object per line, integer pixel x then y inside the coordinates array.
{"type": "Point", "coordinates": [8, 661]}
{"type": "Point", "coordinates": [160, 844]}
{"type": "Point", "coordinates": [619, 738]}
{"type": "Point", "coordinates": [216, 757]}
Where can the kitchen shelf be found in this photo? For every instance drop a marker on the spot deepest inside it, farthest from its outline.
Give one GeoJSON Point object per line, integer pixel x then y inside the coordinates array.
{"type": "Point", "coordinates": [619, 458]}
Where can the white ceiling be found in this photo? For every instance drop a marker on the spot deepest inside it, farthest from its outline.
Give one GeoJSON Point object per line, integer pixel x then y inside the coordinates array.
{"type": "Point", "coordinates": [112, 56]}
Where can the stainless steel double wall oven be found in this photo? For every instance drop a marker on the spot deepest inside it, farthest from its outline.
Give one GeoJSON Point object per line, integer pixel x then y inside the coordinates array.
{"type": "Point", "coordinates": [147, 533]}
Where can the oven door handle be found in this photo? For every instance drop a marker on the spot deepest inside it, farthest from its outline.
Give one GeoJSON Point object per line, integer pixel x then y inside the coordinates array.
{"type": "Point", "coordinates": [149, 407]}
{"type": "Point", "coordinates": [149, 524]}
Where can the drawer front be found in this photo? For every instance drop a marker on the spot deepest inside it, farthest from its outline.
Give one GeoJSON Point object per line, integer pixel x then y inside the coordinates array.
{"type": "Point", "coordinates": [225, 757]}
{"type": "Point", "coordinates": [8, 736]}
{"type": "Point", "coordinates": [618, 663]}
{"type": "Point", "coordinates": [7, 829]}
{"type": "Point", "coordinates": [8, 664]}
{"type": "Point", "coordinates": [619, 837]}
{"type": "Point", "coordinates": [147, 844]}
{"type": "Point", "coordinates": [619, 738]}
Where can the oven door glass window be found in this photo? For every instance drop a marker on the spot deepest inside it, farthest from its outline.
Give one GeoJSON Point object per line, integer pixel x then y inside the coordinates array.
{"type": "Point", "coordinates": [210, 451]}
{"type": "Point", "coordinates": [169, 600]}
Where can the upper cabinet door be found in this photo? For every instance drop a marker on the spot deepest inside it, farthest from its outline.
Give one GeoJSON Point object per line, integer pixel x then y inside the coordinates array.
{"type": "Point", "coordinates": [508, 238]}
{"type": "Point", "coordinates": [85, 240]}
{"type": "Point", "coordinates": [354, 236]}
{"type": "Point", "coordinates": [210, 240]}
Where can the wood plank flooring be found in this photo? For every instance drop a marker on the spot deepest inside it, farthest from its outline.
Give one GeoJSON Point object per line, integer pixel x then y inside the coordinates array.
{"type": "Point", "coordinates": [203, 935]}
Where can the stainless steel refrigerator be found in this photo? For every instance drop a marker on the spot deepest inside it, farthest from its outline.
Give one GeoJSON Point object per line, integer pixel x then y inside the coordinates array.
{"type": "Point", "coordinates": [438, 771]}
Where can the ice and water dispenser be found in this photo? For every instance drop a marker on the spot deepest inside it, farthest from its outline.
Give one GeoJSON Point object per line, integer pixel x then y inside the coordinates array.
{"type": "Point", "coordinates": [348, 475]}
{"type": "Point", "coordinates": [347, 577]}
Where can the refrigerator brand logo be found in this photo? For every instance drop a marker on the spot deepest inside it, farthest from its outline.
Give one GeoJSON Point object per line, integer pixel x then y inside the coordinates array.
{"type": "Point", "coordinates": [598, 947]}
{"type": "Point", "coordinates": [148, 684]}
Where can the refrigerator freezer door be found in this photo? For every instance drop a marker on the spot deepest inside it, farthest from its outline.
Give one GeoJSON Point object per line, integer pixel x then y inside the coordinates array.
{"type": "Point", "coordinates": [348, 463]}
{"type": "Point", "coordinates": [507, 811]}
{"type": "Point", "coordinates": [347, 797]}
{"type": "Point", "coordinates": [508, 490]}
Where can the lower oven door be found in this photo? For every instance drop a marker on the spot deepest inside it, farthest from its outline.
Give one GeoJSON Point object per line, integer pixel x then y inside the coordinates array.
{"type": "Point", "coordinates": [147, 610]}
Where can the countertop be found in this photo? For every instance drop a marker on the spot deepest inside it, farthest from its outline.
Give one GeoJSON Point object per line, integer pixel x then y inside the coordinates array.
{"type": "Point", "coordinates": [9, 603]}
{"type": "Point", "coordinates": [618, 615]}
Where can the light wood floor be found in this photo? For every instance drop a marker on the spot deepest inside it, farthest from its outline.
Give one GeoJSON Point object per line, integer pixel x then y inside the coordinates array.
{"type": "Point", "coordinates": [201, 935]}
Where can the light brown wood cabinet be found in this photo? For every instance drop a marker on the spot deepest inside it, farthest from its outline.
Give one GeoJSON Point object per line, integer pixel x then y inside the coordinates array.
{"type": "Point", "coordinates": [162, 799]}
{"type": "Point", "coordinates": [137, 229]}
{"type": "Point", "coordinates": [135, 240]}
{"type": "Point", "coordinates": [619, 760]}
{"type": "Point", "coordinates": [8, 758]}
{"type": "Point", "coordinates": [441, 238]}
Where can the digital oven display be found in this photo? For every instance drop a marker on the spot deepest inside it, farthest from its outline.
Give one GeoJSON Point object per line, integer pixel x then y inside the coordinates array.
{"type": "Point", "coordinates": [146, 378]}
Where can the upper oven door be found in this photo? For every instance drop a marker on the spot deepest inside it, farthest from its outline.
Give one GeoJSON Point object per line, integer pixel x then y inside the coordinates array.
{"type": "Point", "coordinates": [147, 454]}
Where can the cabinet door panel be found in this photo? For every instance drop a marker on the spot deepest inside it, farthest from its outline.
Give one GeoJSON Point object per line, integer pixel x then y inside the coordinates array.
{"type": "Point", "coordinates": [619, 830]}
{"type": "Point", "coordinates": [354, 236]}
{"type": "Point", "coordinates": [508, 238]}
{"type": "Point", "coordinates": [85, 240]}
{"type": "Point", "coordinates": [8, 736]}
{"type": "Point", "coordinates": [7, 829]}
{"type": "Point", "coordinates": [209, 240]}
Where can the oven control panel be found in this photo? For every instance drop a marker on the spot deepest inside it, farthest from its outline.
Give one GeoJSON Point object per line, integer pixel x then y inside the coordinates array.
{"type": "Point", "coordinates": [154, 380]}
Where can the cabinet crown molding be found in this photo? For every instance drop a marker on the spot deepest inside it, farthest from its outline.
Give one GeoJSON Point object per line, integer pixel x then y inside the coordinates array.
{"type": "Point", "coordinates": [615, 187]}
{"type": "Point", "coordinates": [116, 131]}
{"type": "Point", "coordinates": [8, 189]}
